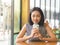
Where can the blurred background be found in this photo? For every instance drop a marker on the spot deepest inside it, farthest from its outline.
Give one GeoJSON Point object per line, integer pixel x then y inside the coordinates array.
{"type": "Point", "coordinates": [14, 14]}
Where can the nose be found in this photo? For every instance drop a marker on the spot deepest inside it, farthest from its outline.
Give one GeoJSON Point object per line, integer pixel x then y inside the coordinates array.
{"type": "Point", "coordinates": [35, 18]}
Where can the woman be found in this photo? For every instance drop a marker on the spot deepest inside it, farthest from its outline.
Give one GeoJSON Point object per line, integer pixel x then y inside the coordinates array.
{"type": "Point", "coordinates": [33, 34]}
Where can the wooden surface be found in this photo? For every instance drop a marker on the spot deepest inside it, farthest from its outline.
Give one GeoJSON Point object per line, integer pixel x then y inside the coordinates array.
{"type": "Point", "coordinates": [38, 43]}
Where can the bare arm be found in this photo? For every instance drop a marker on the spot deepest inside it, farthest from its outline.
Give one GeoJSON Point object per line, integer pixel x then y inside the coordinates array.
{"type": "Point", "coordinates": [20, 36]}
{"type": "Point", "coordinates": [51, 34]}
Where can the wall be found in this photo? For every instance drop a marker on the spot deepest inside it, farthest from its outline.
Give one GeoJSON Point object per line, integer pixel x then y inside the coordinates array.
{"type": "Point", "coordinates": [25, 11]}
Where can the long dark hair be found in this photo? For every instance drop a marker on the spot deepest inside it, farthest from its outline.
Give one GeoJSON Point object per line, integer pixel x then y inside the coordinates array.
{"type": "Point", "coordinates": [41, 23]}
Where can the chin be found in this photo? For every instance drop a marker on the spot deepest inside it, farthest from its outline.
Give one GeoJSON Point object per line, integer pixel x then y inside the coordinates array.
{"type": "Point", "coordinates": [36, 22]}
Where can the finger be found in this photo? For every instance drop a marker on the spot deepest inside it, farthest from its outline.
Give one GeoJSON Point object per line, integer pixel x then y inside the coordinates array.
{"type": "Point", "coordinates": [36, 31]}
{"type": "Point", "coordinates": [35, 36]}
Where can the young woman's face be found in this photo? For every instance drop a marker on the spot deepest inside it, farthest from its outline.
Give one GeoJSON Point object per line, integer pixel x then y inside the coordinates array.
{"type": "Point", "coordinates": [35, 17]}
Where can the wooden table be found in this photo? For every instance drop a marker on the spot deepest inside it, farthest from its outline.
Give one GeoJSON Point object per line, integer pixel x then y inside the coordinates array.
{"type": "Point", "coordinates": [38, 43]}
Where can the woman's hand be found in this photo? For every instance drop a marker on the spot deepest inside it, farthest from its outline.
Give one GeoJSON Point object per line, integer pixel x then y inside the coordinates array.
{"type": "Point", "coordinates": [40, 36]}
{"type": "Point", "coordinates": [35, 33]}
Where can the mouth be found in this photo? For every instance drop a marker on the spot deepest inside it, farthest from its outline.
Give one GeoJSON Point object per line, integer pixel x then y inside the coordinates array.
{"type": "Point", "coordinates": [35, 21]}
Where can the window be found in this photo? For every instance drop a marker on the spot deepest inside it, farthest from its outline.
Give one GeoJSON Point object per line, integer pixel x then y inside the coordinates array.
{"type": "Point", "coordinates": [51, 10]}
{"type": "Point", "coordinates": [5, 22]}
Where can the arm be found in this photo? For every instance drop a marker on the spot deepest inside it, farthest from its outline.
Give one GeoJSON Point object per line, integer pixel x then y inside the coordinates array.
{"type": "Point", "coordinates": [21, 37]}
{"type": "Point", "coordinates": [50, 33]}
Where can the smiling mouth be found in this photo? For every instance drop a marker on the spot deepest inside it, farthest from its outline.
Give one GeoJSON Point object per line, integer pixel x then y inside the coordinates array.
{"type": "Point", "coordinates": [35, 21]}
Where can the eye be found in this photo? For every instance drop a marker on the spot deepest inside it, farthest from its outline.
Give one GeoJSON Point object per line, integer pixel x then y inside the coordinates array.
{"type": "Point", "coordinates": [38, 15]}
{"type": "Point", "coordinates": [33, 15]}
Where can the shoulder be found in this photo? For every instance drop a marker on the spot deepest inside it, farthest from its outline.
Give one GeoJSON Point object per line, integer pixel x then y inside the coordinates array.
{"type": "Point", "coordinates": [47, 26]}
{"type": "Point", "coordinates": [25, 25]}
